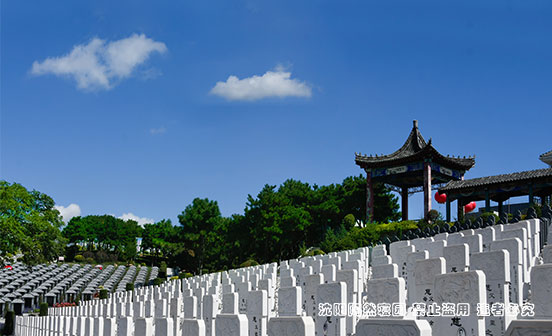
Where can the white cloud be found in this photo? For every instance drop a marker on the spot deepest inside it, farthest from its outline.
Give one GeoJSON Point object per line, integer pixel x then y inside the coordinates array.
{"type": "Point", "coordinates": [159, 130]}
{"type": "Point", "coordinates": [72, 210]}
{"type": "Point", "coordinates": [141, 220]}
{"type": "Point", "coordinates": [276, 83]}
{"type": "Point", "coordinates": [100, 64]}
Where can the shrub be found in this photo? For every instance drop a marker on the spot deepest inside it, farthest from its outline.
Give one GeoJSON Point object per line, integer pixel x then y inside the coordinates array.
{"type": "Point", "coordinates": [248, 263]}
{"type": "Point", "coordinates": [79, 258]}
{"type": "Point", "coordinates": [9, 325]}
{"type": "Point", "coordinates": [43, 309]}
{"type": "Point", "coordinates": [129, 286]}
{"type": "Point", "coordinates": [174, 277]}
{"type": "Point", "coordinates": [163, 270]}
{"type": "Point", "coordinates": [103, 294]}
{"type": "Point", "coordinates": [185, 275]}
{"type": "Point", "coordinates": [89, 260]}
{"type": "Point", "coordinates": [157, 281]}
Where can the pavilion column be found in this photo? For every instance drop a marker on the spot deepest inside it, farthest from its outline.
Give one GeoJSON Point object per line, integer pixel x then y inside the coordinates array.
{"type": "Point", "coordinates": [487, 201]}
{"type": "Point", "coordinates": [448, 210]}
{"type": "Point", "coordinates": [531, 197]}
{"type": "Point", "coordinates": [404, 203]}
{"type": "Point", "coordinates": [369, 197]}
{"type": "Point", "coordinates": [460, 214]}
{"type": "Point", "coordinates": [427, 188]}
{"type": "Point", "coordinates": [500, 208]}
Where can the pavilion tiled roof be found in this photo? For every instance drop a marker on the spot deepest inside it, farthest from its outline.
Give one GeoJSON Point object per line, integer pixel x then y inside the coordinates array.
{"type": "Point", "coordinates": [415, 148]}
{"type": "Point", "coordinates": [546, 157]}
{"type": "Point", "coordinates": [497, 179]}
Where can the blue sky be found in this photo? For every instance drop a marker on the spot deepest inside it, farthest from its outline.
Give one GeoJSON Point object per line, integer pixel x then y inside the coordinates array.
{"type": "Point", "coordinates": [126, 107]}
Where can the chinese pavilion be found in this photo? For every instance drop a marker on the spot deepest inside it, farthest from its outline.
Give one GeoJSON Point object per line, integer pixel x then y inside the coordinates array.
{"type": "Point", "coordinates": [416, 165]}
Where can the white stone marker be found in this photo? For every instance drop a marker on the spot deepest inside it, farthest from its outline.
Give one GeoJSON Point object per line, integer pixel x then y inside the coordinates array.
{"type": "Point", "coordinates": [514, 248]}
{"type": "Point", "coordinates": [144, 327]}
{"type": "Point", "coordinates": [521, 234]}
{"type": "Point", "coordinates": [385, 271]}
{"type": "Point", "coordinates": [231, 325]}
{"type": "Point", "coordinates": [350, 278]}
{"type": "Point", "coordinates": [529, 328]}
{"type": "Point", "coordinates": [457, 295]}
{"type": "Point", "coordinates": [193, 327]}
{"type": "Point", "coordinates": [291, 326]}
{"type": "Point", "coordinates": [411, 259]}
{"type": "Point", "coordinates": [331, 322]}
{"type": "Point", "coordinates": [257, 312]}
{"type": "Point", "coordinates": [436, 248]}
{"type": "Point", "coordinates": [386, 327]}
{"type": "Point", "coordinates": [210, 312]}
{"type": "Point", "coordinates": [425, 272]}
{"type": "Point", "coordinates": [125, 326]}
{"type": "Point", "coordinates": [391, 292]}
{"type": "Point", "coordinates": [541, 292]}
{"type": "Point", "coordinates": [496, 266]}
{"type": "Point", "coordinates": [290, 301]}
{"type": "Point", "coordinates": [475, 243]}
{"type": "Point", "coordinates": [329, 273]}
{"type": "Point", "coordinates": [457, 258]}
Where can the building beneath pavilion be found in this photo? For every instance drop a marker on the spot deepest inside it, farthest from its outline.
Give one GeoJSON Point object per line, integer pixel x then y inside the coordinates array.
{"type": "Point", "coordinates": [416, 166]}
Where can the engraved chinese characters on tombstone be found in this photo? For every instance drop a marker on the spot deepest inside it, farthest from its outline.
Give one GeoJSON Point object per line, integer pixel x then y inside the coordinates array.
{"type": "Point", "coordinates": [458, 295]}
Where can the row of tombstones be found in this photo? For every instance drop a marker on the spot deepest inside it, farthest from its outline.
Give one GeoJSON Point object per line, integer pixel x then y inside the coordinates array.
{"type": "Point", "coordinates": [386, 290]}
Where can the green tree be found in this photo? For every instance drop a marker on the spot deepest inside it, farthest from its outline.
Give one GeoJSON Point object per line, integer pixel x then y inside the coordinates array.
{"type": "Point", "coordinates": [29, 224]}
{"type": "Point", "coordinates": [197, 223]}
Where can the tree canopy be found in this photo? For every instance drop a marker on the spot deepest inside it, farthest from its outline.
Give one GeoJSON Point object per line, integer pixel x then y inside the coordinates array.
{"type": "Point", "coordinates": [280, 222]}
{"type": "Point", "coordinates": [29, 225]}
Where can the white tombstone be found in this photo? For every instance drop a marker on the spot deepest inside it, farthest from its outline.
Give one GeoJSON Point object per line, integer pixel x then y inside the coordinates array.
{"type": "Point", "coordinates": [408, 277]}
{"type": "Point", "coordinates": [289, 301]}
{"type": "Point", "coordinates": [547, 254]}
{"type": "Point", "coordinates": [257, 312]}
{"type": "Point", "coordinates": [457, 257]}
{"type": "Point", "coordinates": [529, 328]}
{"type": "Point", "coordinates": [458, 294]}
{"type": "Point", "coordinates": [329, 295]}
{"type": "Point", "coordinates": [230, 303]}
{"type": "Point", "coordinates": [390, 291]}
{"type": "Point", "coordinates": [291, 326]}
{"type": "Point", "coordinates": [541, 290]}
{"type": "Point", "coordinates": [210, 312]}
{"type": "Point", "coordinates": [436, 248]}
{"type": "Point", "coordinates": [329, 273]}
{"type": "Point", "coordinates": [382, 260]}
{"type": "Point", "coordinates": [144, 327]}
{"type": "Point", "coordinates": [475, 243]}
{"type": "Point", "coordinates": [125, 326]}
{"type": "Point", "coordinates": [370, 327]}
{"type": "Point", "coordinates": [350, 278]}
{"type": "Point", "coordinates": [514, 248]}
{"type": "Point", "coordinates": [231, 325]}
{"type": "Point", "coordinates": [521, 234]}
{"type": "Point", "coordinates": [425, 272]}
{"type": "Point", "coordinates": [193, 327]}
{"type": "Point", "coordinates": [496, 266]}
{"type": "Point", "coordinates": [164, 326]}
{"type": "Point", "coordinates": [385, 271]}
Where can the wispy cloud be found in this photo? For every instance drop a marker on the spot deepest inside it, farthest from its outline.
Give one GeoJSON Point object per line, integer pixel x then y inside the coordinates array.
{"type": "Point", "coordinates": [141, 220]}
{"type": "Point", "coordinates": [158, 131]}
{"type": "Point", "coordinates": [276, 83]}
{"type": "Point", "coordinates": [101, 64]}
{"type": "Point", "coordinates": [72, 210]}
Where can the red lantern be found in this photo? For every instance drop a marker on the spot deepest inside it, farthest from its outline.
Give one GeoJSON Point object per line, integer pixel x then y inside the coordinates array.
{"type": "Point", "coordinates": [470, 207]}
{"type": "Point", "coordinates": [440, 198]}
